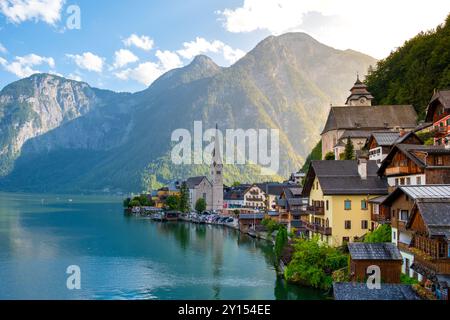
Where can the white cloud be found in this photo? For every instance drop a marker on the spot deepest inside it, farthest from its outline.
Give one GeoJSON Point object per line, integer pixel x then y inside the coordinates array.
{"type": "Point", "coordinates": [18, 11]}
{"type": "Point", "coordinates": [3, 49]}
{"type": "Point", "coordinates": [168, 60]}
{"type": "Point", "coordinates": [142, 42]}
{"type": "Point", "coordinates": [124, 57]}
{"type": "Point", "coordinates": [75, 77]}
{"type": "Point", "coordinates": [23, 66]}
{"type": "Point", "coordinates": [145, 73]}
{"type": "Point", "coordinates": [88, 61]}
{"type": "Point", "coordinates": [201, 46]}
{"type": "Point", "coordinates": [372, 27]}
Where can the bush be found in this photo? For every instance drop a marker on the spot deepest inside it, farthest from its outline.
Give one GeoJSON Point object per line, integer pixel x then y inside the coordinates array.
{"type": "Point", "coordinates": [281, 241]}
{"type": "Point", "coordinates": [270, 225]}
{"type": "Point", "coordinates": [313, 264]}
{"type": "Point", "coordinates": [200, 205]}
{"type": "Point", "coordinates": [381, 235]}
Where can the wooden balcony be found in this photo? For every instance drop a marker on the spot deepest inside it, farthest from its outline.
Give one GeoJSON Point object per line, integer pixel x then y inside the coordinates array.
{"type": "Point", "coordinates": [314, 210]}
{"type": "Point", "coordinates": [438, 266]}
{"type": "Point", "coordinates": [318, 229]}
{"type": "Point", "coordinates": [393, 171]}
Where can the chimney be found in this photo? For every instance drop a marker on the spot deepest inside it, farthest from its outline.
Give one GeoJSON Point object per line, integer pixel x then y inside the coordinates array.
{"type": "Point", "coordinates": [362, 167]}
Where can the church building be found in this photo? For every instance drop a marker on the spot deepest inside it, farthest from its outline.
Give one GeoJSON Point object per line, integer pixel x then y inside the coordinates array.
{"type": "Point", "coordinates": [359, 118]}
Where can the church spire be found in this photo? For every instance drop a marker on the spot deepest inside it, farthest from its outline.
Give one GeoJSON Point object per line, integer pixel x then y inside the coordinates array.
{"type": "Point", "coordinates": [217, 174]}
{"type": "Point", "coordinates": [359, 96]}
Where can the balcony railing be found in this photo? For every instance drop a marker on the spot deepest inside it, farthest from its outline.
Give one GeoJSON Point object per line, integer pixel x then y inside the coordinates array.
{"type": "Point", "coordinates": [318, 211]}
{"type": "Point", "coordinates": [318, 229]}
{"type": "Point", "coordinates": [397, 170]}
{"type": "Point", "coordinates": [439, 266]}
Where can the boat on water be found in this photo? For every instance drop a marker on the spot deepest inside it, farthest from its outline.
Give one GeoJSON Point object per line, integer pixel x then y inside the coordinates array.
{"type": "Point", "coordinates": [171, 216]}
{"type": "Point", "coordinates": [158, 217]}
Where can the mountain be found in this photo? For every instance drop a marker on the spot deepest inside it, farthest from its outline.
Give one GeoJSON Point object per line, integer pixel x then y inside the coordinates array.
{"type": "Point", "coordinates": [412, 72]}
{"type": "Point", "coordinates": [122, 142]}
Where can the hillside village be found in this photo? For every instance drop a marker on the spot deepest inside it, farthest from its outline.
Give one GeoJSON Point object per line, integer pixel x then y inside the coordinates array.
{"type": "Point", "coordinates": [384, 171]}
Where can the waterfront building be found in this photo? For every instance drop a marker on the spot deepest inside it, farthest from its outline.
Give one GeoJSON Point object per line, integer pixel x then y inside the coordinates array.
{"type": "Point", "coordinates": [291, 206]}
{"type": "Point", "coordinates": [339, 193]}
{"type": "Point", "coordinates": [199, 187]}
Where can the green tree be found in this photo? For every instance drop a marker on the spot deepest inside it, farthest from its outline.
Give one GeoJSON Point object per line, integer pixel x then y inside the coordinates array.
{"type": "Point", "coordinates": [281, 241]}
{"type": "Point", "coordinates": [330, 156]}
{"type": "Point", "coordinates": [410, 74]}
{"type": "Point", "coordinates": [172, 202]}
{"type": "Point", "coordinates": [126, 203]}
{"type": "Point", "coordinates": [145, 201]}
{"type": "Point", "coordinates": [316, 154]}
{"type": "Point", "coordinates": [135, 203]}
{"type": "Point", "coordinates": [313, 263]}
{"type": "Point", "coordinates": [349, 152]}
{"type": "Point", "coordinates": [200, 205]}
{"type": "Point", "coordinates": [184, 198]}
{"type": "Point", "coordinates": [236, 184]}
{"type": "Point", "coordinates": [381, 235]}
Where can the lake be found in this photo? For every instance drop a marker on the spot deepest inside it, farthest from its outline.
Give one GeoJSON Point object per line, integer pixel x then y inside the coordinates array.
{"type": "Point", "coordinates": [124, 257]}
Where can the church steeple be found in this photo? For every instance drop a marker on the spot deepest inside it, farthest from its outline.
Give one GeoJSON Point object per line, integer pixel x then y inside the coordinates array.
{"type": "Point", "coordinates": [359, 96]}
{"type": "Point", "coordinates": [217, 174]}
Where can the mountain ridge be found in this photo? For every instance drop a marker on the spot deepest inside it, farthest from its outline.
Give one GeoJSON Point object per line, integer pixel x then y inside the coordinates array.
{"type": "Point", "coordinates": [123, 141]}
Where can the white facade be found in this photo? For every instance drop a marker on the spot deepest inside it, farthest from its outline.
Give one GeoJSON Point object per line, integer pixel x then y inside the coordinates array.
{"type": "Point", "coordinates": [255, 198]}
{"type": "Point", "coordinates": [410, 180]}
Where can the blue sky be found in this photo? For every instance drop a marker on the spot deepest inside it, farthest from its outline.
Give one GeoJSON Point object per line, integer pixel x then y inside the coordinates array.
{"type": "Point", "coordinates": [126, 45]}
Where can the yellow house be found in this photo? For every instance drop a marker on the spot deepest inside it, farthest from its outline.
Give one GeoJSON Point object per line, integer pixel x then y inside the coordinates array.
{"type": "Point", "coordinates": [160, 196]}
{"type": "Point", "coordinates": [339, 194]}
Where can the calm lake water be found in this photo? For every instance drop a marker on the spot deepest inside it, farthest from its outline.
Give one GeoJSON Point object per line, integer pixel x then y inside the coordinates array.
{"type": "Point", "coordinates": [126, 257]}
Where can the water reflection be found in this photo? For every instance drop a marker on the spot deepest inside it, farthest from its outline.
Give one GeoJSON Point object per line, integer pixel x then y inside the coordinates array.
{"type": "Point", "coordinates": [126, 257]}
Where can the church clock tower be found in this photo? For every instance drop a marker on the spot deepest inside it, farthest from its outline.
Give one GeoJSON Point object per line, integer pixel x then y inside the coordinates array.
{"type": "Point", "coordinates": [217, 175]}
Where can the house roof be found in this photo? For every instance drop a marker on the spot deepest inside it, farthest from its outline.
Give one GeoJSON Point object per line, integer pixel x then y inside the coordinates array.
{"type": "Point", "coordinates": [342, 178]}
{"type": "Point", "coordinates": [371, 117]}
{"type": "Point", "coordinates": [442, 97]}
{"type": "Point", "coordinates": [419, 192]}
{"type": "Point", "coordinates": [409, 151]}
{"type": "Point", "coordinates": [374, 251]}
{"type": "Point", "coordinates": [194, 181]}
{"type": "Point", "coordinates": [360, 291]}
{"type": "Point", "coordinates": [251, 216]}
{"type": "Point", "coordinates": [436, 216]}
{"type": "Point", "coordinates": [386, 138]}
{"type": "Point", "coordinates": [272, 188]}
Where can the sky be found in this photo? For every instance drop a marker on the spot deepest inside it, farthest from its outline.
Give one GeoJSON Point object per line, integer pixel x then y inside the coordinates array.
{"type": "Point", "coordinates": [126, 45]}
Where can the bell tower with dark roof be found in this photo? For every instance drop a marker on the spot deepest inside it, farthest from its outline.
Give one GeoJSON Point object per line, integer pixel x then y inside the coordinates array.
{"type": "Point", "coordinates": [359, 96]}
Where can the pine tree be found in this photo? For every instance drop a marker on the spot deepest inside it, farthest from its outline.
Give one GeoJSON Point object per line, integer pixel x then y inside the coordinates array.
{"type": "Point", "coordinates": [184, 198]}
{"type": "Point", "coordinates": [349, 152]}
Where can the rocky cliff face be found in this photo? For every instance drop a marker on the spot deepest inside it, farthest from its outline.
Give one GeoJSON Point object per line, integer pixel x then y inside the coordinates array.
{"type": "Point", "coordinates": [75, 138]}
{"type": "Point", "coordinates": [34, 106]}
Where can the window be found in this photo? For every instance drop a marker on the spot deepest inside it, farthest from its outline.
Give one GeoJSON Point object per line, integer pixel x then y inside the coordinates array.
{"type": "Point", "coordinates": [439, 161]}
{"type": "Point", "coordinates": [404, 215]}
{"type": "Point", "coordinates": [408, 181]}
{"type": "Point", "coordinates": [348, 224]}
{"type": "Point", "coordinates": [345, 240]}
{"type": "Point", "coordinates": [402, 181]}
{"type": "Point", "coordinates": [364, 224]}
{"type": "Point", "coordinates": [363, 204]}
{"type": "Point", "coordinates": [394, 235]}
{"type": "Point", "coordinates": [328, 205]}
{"type": "Point", "coordinates": [418, 181]}
{"type": "Point", "coordinates": [348, 205]}
{"type": "Point", "coordinates": [396, 182]}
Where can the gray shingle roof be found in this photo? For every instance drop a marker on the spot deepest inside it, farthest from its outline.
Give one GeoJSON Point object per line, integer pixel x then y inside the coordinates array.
{"type": "Point", "coordinates": [443, 97]}
{"type": "Point", "coordinates": [436, 216]}
{"type": "Point", "coordinates": [386, 139]}
{"type": "Point", "coordinates": [360, 291]}
{"type": "Point", "coordinates": [251, 216]}
{"type": "Point", "coordinates": [371, 117]}
{"type": "Point", "coordinates": [427, 191]}
{"type": "Point", "coordinates": [342, 177]}
{"type": "Point", "coordinates": [374, 251]}
{"type": "Point", "coordinates": [194, 181]}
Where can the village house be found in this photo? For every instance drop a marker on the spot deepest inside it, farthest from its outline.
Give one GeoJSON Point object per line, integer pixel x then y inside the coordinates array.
{"type": "Point", "coordinates": [159, 197]}
{"type": "Point", "coordinates": [400, 205]}
{"type": "Point", "coordinates": [233, 197]}
{"type": "Point", "coordinates": [273, 192]}
{"type": "Point", "coordinates": [430, 226]}
{"type": "Point", "coordinates": [291, 206]}
{"type": "Point", "coordinates": [358, 119]}
{"type": "Point", "coordinates": [339, 193]}
{"type": "Point", "coordinates": [255, 198]}
{"type": "Point", "coordinates": [386, 256]}
{"type": "Point", "coordinates": [408, 164]}
{"type": "Point", "coordinates": [438, 113]}
{"type": "Point", "coordinates": [380, 143]}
